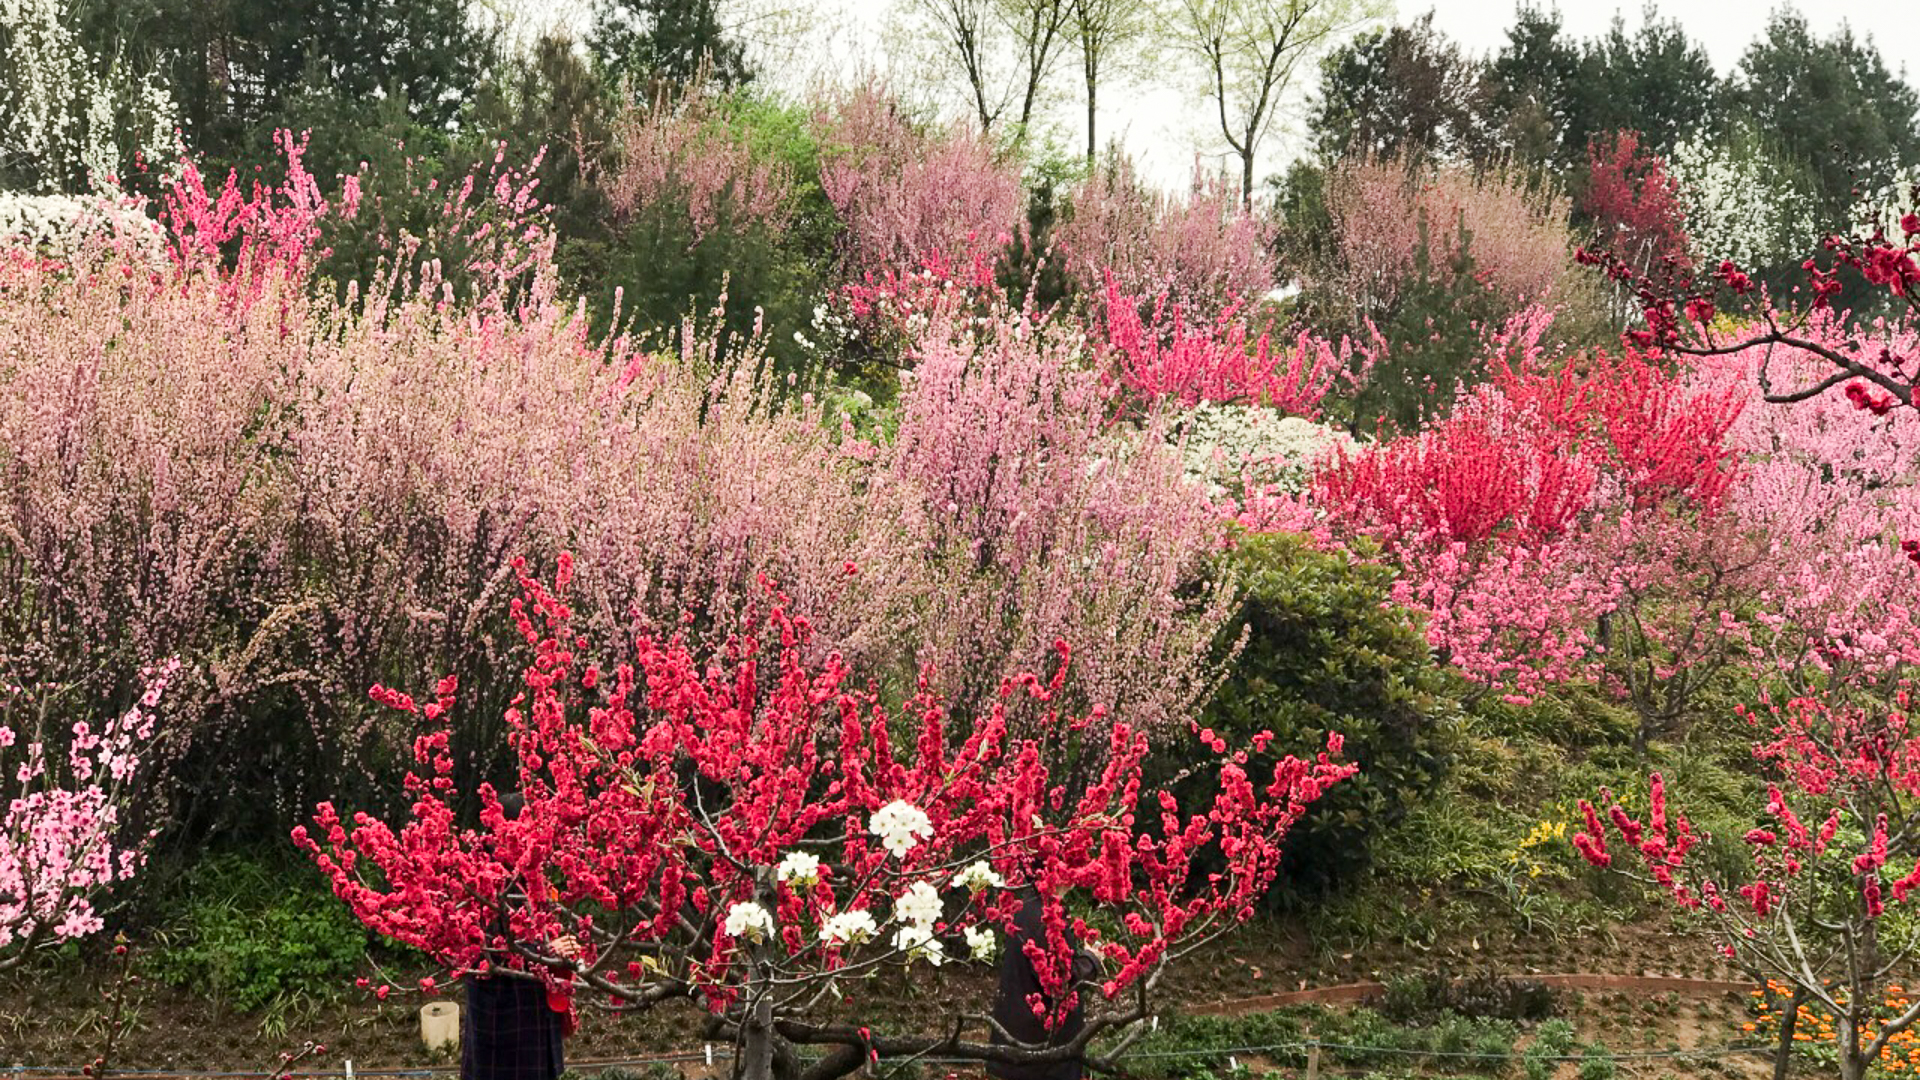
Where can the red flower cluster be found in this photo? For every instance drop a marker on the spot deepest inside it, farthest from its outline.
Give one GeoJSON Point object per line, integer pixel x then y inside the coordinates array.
{"type": "Point", "coordinates": [745, 825]}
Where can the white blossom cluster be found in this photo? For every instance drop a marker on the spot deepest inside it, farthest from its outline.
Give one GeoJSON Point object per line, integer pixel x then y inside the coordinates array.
{"type": "Point", "coordinates": [1737, 207]}
{"type": "Point", "coordinates": [1228, 446]}
{"type": "Point", "coordinates": [61, 120]}
{"type": "Point", "coordinates": [60, 226]}
{"type": "Point", "coordinates": [1885, 205]}
{"type": "Point", "coordinates": [901, 827]}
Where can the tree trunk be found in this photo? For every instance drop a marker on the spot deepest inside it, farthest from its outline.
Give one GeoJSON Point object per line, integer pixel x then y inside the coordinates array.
{"type": "Point", "coordinates": [1853, 1064]}
{"type": "Point", "coordinates": [1093, 146]}
{"type": "Point", "coordinates": [756, 1037]}
{"type": "Point", "coordinates": [1246, 176]}
{"type": "Point", "coordinates": [1783, 1054]}
{"type": "Point", "coordinates": [756, 1051]}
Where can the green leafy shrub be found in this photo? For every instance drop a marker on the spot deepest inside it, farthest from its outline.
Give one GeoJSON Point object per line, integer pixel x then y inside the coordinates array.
{"type": "Point", "coordinates": [1438, 997]}
{"type": "Point", "coordinates": [252, 930]}
{"type": "Point", "coordinates": [1325, 652]}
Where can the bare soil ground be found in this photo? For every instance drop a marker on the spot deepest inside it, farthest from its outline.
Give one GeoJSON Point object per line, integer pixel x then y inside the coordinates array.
{"type": "Point", "coordinates": [54, 1015]}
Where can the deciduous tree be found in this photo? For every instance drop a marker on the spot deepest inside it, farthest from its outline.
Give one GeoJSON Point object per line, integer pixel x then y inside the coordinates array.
{"type": "Point", "coordinates": [1249, 53]}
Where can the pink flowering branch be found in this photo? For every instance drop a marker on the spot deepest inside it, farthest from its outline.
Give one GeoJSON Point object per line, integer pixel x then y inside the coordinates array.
{"type": "Point", "coordinates": [741, 830]}
{"type": "Point", "coordinates": [63, 835]}
{"type": "Point", "coordinates": [1167, 358]}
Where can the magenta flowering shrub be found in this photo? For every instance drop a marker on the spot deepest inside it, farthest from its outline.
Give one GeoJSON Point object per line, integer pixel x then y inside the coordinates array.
{"type": "Point", "coordinates": [1167, 358]}
{"type": "Point", "coordinates": [1551, 498]}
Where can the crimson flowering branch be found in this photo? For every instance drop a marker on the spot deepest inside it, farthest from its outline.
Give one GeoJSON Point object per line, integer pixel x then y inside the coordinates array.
{"type": "Point", "coordinates": [63, 834]}
{"type": "Point", "coordinates": [1840, 845]}
{"type": "Point", "coordinates": [1678, 308]}
{"type": "Point", "coordinates": [1523, 518]}
{"type": "Point", "coordinates": [743, 831]}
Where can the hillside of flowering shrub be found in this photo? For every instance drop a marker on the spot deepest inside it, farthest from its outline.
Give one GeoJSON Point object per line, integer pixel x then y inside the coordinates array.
{"type": "Point", "coordinates": [866, 542]}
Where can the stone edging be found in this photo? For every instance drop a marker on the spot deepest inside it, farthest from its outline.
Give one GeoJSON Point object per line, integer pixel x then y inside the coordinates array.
{"type": "Point", "coordinates": [1584, 981]}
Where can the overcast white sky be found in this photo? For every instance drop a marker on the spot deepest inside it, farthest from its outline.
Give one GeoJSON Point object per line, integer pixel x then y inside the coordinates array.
{"type": "Point", "coordinates": [1164, 125]}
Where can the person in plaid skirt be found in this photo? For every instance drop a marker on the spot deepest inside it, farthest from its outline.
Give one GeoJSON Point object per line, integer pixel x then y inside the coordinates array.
{"type": "Point", "coordinates": [512, 1028]}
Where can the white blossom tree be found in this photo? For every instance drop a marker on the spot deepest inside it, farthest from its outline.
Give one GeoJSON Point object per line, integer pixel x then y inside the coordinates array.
{"type": "Point", "coordinates": [1738, 204]}
{"type": "Point", "coordinates": [74, 120]}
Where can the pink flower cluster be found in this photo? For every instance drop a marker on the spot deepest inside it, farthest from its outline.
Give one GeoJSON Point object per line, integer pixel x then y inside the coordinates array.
{"type": "Point", "coordinates": [63, 835]}
{"type": "Point", "coordinates": [1166, 358]}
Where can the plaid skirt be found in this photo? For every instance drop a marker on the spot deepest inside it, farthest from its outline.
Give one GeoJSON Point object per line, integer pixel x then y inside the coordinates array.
{"type": "Point", "coordinates": [508, 1031]}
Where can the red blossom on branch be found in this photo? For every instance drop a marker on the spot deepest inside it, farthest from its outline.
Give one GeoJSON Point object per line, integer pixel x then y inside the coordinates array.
{"type": "Point", "coordinates": [742, 828]}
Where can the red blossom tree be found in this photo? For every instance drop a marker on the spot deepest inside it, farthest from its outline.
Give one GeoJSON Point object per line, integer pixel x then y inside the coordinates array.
{"type": "Point", "coordinates": [744, 833]}
{"type": "Point", "coordinates": [1553, 497]}
{"type": "Point", "coordinates": [1838, 846]}
{"type": "Point", "coordinates": [1633, 201]}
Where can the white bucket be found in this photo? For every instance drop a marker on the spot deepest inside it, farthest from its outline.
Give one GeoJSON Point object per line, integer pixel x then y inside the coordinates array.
{"type": "Point", "coordinates": [440, 1025]}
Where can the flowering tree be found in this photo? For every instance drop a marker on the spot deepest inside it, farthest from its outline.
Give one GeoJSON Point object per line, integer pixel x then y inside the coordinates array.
{"type": "Point", "coordinates": [907, 195]}
{"type": "Point", "coordinates": [1525, 518]}
{"type": "Point", "coordinates": [75, 121]}
{"type": "Point", "coordinates": [744, 833]}
{"type": "Point", "coordinates": [63, 834]}
{"type": "Point", "coordinates": [1201, 250]}
{"type": "Point", "coordinates": [1634, 204]}
{"type": "Point", "coordinates": [1047, 521]}
{"type": "Point", "coordinates": [1739, 202]}
{"type": "Point", "coordinates": [1678, 309]}
{"type": "Point", "coordinates": [1384, 210]}
{"type": "Point", "coordinates": [1831, 858]}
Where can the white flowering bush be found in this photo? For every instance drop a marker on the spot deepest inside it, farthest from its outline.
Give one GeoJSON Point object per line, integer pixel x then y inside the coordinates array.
{"type": "Point", "coordinates": [61, 226]}
{"type": "Point", "coordinates": [70, 120]}
{"type": "Point", "coordinates": [1884, 205]}
{"type": "Point", "coordinates": [1231, 448]}
{"type": "Point", "coordinates": [1738, 205]}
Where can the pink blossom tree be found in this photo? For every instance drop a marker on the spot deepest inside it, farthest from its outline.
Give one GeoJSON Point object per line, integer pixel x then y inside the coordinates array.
{"type": "Point", "coordinates": [909, 195]}
{"type": "Point", "coordinates": [1202, 250]}
{"type": "Point", "coordinates": [65, 833]}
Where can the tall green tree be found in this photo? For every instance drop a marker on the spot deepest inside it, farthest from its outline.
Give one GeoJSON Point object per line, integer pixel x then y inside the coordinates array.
{"type": "Point", "coordinates": [1249, 53]}
{"type": "Point", "coordinates": [1004, 50]}
{"type": "Point", "coordinates": [664, 44]}
{"type": "Point", "coordinates": [1656, 81]}
{"type": "Point", "coordinates": [1104, 30]}
{"type": "Point", "coordinates": [550, 97]}
{"type": "Point", "coordinates": [1549, 95]}
{"type": "Point", "coordinates": [1404, 92]}
{"type": "Point", "coordinates": [239, 69]}
{"type": "Point", "coordinates": [1832, 104]}
{"type": "Point", "coordinates": [1533, 87]}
